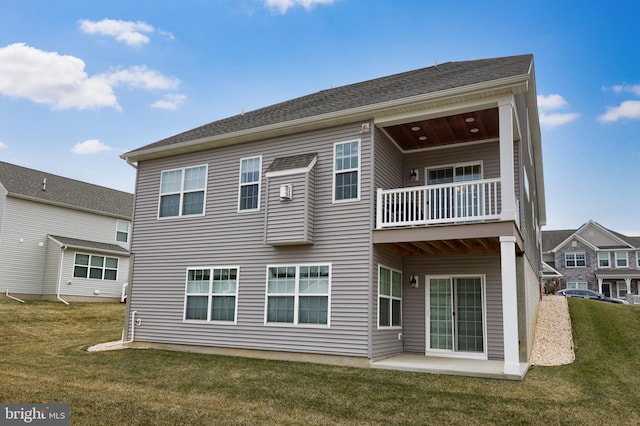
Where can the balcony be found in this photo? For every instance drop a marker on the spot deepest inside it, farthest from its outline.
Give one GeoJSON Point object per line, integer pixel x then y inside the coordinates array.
{"type": "Point", "coordinates": [451, 203]}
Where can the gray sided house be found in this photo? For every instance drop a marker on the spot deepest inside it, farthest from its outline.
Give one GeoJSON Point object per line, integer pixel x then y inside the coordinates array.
{"type": "Point", "coordinates": [62, 239]}
{"type": "Point", "coordinates": [595, 258]}
{"type": "Point", "coordinates": [392, 223]}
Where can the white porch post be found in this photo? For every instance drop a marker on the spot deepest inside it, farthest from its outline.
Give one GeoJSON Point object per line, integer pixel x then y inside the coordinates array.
{"type": "Point", "coordinates": [507, 169]}
{"type": "Point", "coordinates": [509, 305]}
{"type": "Point", "coordinates": [600, 285]}
{"type": "Point", "coordinates": [628, 282]}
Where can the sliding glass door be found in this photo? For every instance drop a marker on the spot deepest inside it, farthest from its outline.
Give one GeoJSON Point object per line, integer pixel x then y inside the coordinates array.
{"type": "Point", "coordinates": [455, 314]}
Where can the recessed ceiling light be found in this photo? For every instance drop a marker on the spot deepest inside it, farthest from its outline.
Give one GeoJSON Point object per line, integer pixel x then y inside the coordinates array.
{"type": "Point", "coordinates": [415, 128]}
{"type": "Point", "coordinates": [469, 119]}
{"type": "Point", "coordinates": [423, 138]}
{"type": "Point", "coordinates": [475, 130]}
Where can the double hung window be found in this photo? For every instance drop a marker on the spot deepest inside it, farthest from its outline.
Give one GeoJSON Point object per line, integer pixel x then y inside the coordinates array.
{"type": "Point", "coordinates": [122, 231]}
{"type": "Point", "coordinates": [346, 171]}
{"type": "Point", "coordinates": [298, 295]}
{"type": "Point", "coordinates": [249, 196]}
{"type": "Point", "coordinates": [622, 259]}
{"type": "Point", "coordinates": [575, 259]}
{"type": "Point", "coordinates": [95, 267]}
{"type": "Point", "coordinates": [182, 191]}
{"type": "Point", "coordinates": [389, 297]}
{"type": "Point", "coordinates": [604, 259]}
{"type": "Point", "coordinates": [211, 294]}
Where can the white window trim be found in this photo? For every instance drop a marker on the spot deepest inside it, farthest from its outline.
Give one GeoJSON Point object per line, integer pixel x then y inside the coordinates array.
{"type": "Point", "coordinates": [453, 166]}
{"type": "Point", "coordinates": [638, 259]}
{"type": "Point", "coordinates": [259, 182]}
{"type": "Point", "coordinates": [577, 285]}
{"type": "Point", "coordinates": [575, 259]}
{"type": "Point", "coordinates": [204, 200]}
{"type": "Point", "coordinates": [626, 287]}
{"type": "Point", "coordinates": [104, 267]}
{"type": "Point", "coordinates": [357, 169]}
{"type": "Point", "coordinates": [461, 354]}
{"type": "Point", "coordinates": [128, 230]}
{"type": "Point", "coordinates": [625, 258]}
{"type": "Point", "coordinates": [296, 296]}
{"type": "Point", "coordinates": [390, 297]}
{"type": "Point", "coordinates": [608, 253]}
{"type": "Point", "coordinates": [210, 295]}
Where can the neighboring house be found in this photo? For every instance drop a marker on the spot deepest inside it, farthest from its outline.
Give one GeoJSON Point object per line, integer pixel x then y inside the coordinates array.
{"type": "Point", "coordinates": [595, 258]}
{"type": "Point", "coordinates": [386, 221]}
{"type": "Point", "coordinates": [62, 239]}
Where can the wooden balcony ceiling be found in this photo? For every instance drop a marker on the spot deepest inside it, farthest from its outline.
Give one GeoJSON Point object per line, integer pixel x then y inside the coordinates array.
{"type": "Point", "coordinates": [470, 126]}
{"type": "Point", "coordinates": [489, 245]}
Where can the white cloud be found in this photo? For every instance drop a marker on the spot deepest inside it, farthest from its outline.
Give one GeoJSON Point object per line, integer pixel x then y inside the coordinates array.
{"type": "Point", "coordinates": [627, 109]}
{"type": "Point", "coordinates": [3, 145]}
{"type": "Point", "coordinates": [554, 119]}
{"type": "Point", "coordinates": [140, 77]}
{"type": "Point", "coordinates": [557, 119]}
{"type": "Point", "coordinates": [284, 5]}
{"type": "Point", "coordinates": [128, 32]}
{"type": "Point", "coordinates": [551, 102]}
{"type": "Point", "coordinates": [627, 88]}
{"type": "Point", "coordinates": [52, 79]}
{"type": "Point", "coordinates": [171, 101]}
{"type": "Point", "coordinates": [61, 81]}
{"type": "Point", "coordinates": [91, 146]}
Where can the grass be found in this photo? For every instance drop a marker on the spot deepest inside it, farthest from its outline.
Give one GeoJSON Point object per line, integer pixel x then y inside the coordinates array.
{"type": "Point", "coordinates": [43, 360]}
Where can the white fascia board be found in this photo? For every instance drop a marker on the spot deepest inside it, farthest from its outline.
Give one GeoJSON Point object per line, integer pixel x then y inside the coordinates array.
{"type": "Point", "coordinates": [609, 233]}
{"type": "Point", "coordinates": [575, 236]}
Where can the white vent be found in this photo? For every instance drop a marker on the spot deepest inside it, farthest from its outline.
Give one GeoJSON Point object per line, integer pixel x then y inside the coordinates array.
{"type": "Point", "coordinates": [286, 192]}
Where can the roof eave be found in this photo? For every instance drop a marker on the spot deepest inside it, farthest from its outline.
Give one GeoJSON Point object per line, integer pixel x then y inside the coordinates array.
{"type": "Point", "coordinates": [513, 84]}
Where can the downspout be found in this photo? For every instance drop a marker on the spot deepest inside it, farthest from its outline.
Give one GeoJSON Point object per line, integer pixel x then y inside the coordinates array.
{"type": "Point", "coordinates": [60, 276]}
{"type": "Point", "coordinates": [14, 298]}
{"type": "Point", "coordinates": [132, 324]}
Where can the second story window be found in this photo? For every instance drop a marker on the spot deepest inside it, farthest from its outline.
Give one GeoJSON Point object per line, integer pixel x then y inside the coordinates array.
{"type": "Point", "coordinates": [603, 259]}
{"type": "Point", "coordinates": [122, 231]}
{"type": "Point", "coordinates": [182, 191]}
{"type": "Point", "coordinates": [346, 171]}
{"type": "Point", "coordinates": [249, 197]}
{"type": "Point", "coordinates": [622, 259]}
{"type": "Point", "coordinates": [575, 259]}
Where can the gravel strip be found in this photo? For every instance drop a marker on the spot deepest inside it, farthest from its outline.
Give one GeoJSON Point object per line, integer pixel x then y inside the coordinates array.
{"type": "Point", "coordinates": [553, 341]}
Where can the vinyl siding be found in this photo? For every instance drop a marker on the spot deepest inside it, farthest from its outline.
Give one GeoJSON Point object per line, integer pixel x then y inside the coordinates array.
{"type": "Point", "coordinates": [165, 248]}
{"type": "Point", "coordinates": [414, 298]}
{"type": "Point", "coordinates": [288, 220]}
{"type": "Point", "coordinates": [22, 264]}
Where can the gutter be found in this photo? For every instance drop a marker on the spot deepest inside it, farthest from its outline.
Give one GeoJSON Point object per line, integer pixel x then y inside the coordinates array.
{"type": "Point", "coordinates": [63, 248]}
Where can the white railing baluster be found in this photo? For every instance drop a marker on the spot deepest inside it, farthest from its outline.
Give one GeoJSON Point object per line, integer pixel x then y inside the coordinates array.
{"type": "Point", "coordinates": [433, 204]}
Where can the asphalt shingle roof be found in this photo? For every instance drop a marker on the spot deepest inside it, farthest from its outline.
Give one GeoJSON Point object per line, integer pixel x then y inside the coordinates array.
{"type": "Point", "coordinates": [292, 162]}
{"type": "Point", "coordinates": [93, 245]}
{"type": "Point", "coordinates": [394, 87]}
{"type": "Point", "coordinates": [25, 182]}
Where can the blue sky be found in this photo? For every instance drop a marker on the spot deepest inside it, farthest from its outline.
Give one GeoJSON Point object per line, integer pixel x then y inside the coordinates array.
{"type": "Point", "coordinates": [83, 81]}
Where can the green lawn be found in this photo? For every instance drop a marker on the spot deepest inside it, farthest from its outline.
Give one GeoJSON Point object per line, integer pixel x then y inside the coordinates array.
{"type": "Point", "coordinates": [43, 360]}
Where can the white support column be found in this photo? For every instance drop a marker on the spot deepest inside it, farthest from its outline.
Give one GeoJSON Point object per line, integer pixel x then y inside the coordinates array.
{"type": "Point", "coordinates": [628, 282]}
{"type": "Point", "coordinates": [507, 170]}
{"type": "Point", "coordinates": [599, 285]}
{"type": "Point", "coordinates": [509, 305]}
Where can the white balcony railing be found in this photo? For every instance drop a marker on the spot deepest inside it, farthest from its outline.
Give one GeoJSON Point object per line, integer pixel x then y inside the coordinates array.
{"type": "Point", "coordinates": [434, 204]}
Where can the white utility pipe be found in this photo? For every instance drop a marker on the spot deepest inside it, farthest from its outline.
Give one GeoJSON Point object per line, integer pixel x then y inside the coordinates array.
{"type": "Point", "coordinates": [14, 298]}
{"type": "Point", "coordinates": [60, 276]}
{"type": "Point", "coordinates": [132, 324]}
